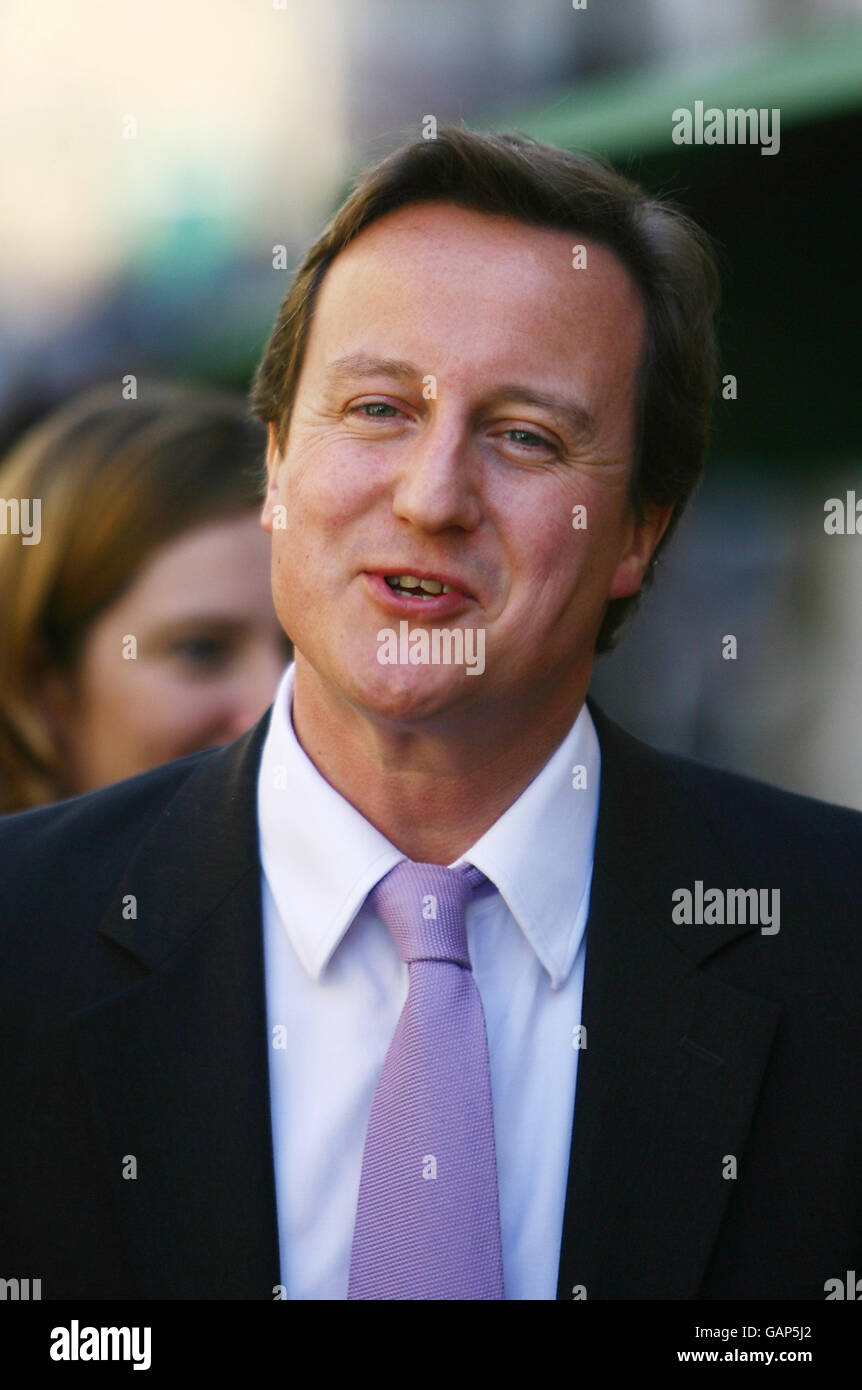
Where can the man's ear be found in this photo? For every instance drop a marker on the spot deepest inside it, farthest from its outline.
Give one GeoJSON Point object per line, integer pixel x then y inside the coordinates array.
{"type": "Point", "coordinates": [273, 462]}
{"type": "Point", "coordinates": [645, 536]}
{"type": "Point", "coordinates": [273, 454]}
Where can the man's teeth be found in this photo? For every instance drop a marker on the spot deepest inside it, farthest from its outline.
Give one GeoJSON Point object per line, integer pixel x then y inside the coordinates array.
{"type": "Point", "coordinates": [409, 581]}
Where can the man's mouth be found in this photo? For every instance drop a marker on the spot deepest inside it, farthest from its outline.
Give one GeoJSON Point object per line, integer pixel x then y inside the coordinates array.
{"type": "Point", "coordinates": [417, 588]}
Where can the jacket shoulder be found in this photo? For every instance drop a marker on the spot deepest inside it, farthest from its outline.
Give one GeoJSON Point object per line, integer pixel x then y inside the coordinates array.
{"type": "Point", "coordinates": [112, 807]}
{"type": "Point", "coordinates": [57, 858]}
{"type": "Point", "coordinates": [784, 818]}
{"type": "Point", "coordinates": [751, 819]}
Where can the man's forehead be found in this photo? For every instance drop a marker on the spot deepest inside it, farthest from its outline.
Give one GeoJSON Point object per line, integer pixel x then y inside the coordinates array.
{"type": "Point", "coordinates": [481, 301]}
{"type": "Point", "coordinates": [439, 220]}
{"type": "Point", "coordinates": [436, 232]}
{"type": "Point", "coordinates": [494, 264]}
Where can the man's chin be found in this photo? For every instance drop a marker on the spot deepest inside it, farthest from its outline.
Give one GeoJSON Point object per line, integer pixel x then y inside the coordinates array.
{"type": "Point", "coordinates": [405, 695]}
{"type": "Point", "coordinates": [386, 693]}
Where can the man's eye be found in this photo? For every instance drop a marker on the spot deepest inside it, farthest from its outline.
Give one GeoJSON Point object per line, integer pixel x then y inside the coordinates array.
{"type": "Point", "coordinates": [377, 410]}
{"type": "Point", "coordinates": [528, 439]}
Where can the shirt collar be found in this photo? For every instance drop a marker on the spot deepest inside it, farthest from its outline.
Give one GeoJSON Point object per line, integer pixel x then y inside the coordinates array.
{"type": "Point", "coordinates": [321, 857]}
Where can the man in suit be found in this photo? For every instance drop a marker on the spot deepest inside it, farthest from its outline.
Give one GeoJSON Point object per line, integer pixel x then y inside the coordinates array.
{"type": "Point", "coordinates": [490, 381]}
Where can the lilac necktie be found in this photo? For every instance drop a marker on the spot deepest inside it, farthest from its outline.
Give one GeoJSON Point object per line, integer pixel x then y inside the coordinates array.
{"type": "Point", "coordinates": [428, 1216]}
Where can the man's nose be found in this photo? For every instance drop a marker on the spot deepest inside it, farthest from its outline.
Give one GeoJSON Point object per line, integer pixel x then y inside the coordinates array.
{"type": "Point", "coordinates": [438, 480]}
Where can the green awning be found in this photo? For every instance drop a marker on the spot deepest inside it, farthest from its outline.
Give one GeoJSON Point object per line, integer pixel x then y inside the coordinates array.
{"type": "Point", "coordinates": [813, 75]}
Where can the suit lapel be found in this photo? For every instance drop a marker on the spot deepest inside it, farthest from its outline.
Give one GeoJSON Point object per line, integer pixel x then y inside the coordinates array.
{"type": "Point", "coordinates": [177, 1065]}
{"type": "Point", "coordinates": [669, 1078]}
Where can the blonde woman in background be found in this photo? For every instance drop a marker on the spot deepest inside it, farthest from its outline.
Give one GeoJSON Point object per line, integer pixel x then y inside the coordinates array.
{"type": "Point", "coordinates": [137, 622]}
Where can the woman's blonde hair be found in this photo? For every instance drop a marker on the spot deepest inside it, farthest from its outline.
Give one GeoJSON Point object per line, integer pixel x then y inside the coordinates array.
{"type": "Point", "coordinates": [111, 480]}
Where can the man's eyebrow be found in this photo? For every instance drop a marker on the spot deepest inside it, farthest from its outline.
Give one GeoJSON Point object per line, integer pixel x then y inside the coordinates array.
{"type": "Point", "coordinates": [571, 414]}
{"type": "Point", "coordinates": [359, 364]}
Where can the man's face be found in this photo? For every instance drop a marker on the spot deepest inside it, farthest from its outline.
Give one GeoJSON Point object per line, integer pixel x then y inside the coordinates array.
{"type": "Point", "coordinates": [464, 390]}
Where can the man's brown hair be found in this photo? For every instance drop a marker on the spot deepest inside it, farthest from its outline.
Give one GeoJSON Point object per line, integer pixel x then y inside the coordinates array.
{"type": "Point", "coordinates": [668, 256]}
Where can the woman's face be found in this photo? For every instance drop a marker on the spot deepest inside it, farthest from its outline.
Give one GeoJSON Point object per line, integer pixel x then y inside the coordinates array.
{"type": "Point", "coordinates": [188, 657]}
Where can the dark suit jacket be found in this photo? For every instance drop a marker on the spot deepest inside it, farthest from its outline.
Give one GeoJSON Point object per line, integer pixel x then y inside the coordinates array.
{"type": "Point", "coordinates": [145, 1036]}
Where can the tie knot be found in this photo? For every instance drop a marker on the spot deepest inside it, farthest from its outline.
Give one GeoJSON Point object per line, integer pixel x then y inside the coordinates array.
{"type": "Point", "coordinates": [424, 906]}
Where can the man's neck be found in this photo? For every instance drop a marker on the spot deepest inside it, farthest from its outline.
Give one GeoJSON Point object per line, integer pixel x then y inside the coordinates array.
{"type": "Point", "coordinates": [431, 793]}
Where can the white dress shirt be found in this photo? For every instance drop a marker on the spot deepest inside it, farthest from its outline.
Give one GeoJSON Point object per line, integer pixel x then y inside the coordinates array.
{"type": "Point", "coordinates": [335, 987]}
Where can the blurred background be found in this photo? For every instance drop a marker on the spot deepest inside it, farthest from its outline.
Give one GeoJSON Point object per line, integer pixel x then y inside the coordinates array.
{"type": "Point", "coordinates": [163, 165]}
